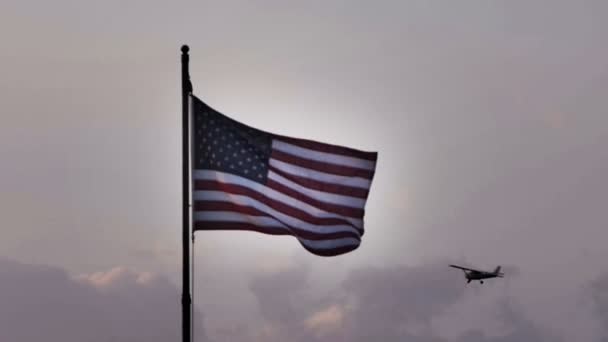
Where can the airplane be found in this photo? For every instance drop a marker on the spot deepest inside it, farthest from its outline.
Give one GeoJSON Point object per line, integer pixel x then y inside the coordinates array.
{"type": "Point", "coordinates": [472, 274]}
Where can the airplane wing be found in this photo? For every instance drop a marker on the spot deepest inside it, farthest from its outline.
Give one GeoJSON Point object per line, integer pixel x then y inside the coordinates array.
{"type": "Point", "coordinates": [464, 268]}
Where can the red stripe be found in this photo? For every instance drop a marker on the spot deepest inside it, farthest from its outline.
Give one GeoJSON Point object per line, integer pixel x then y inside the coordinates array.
{"type": "Point", "coordinates": [322, 166]}
{"type": "Point", "coordinates": [277, 205]}
{"type": "Point", "coordinates": [206, 225]}
{"type": "Point", "coordinates": [328, 148]}
{"type": "Point", "coordinates": [330, 207]}
{"type": "Point", "coordinates": [331, 188]}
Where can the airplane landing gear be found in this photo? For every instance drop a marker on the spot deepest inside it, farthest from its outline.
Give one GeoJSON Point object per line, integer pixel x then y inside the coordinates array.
{"type": "Point", "coordinates": [481, 281]}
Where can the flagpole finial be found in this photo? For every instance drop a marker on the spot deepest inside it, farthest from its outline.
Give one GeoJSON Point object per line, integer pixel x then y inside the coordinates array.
{"type": "Point", "coordinates": [185, 49]}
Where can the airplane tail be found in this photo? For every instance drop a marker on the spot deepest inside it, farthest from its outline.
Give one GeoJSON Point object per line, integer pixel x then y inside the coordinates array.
{"type": "Point", "coordinates": [497, 271]}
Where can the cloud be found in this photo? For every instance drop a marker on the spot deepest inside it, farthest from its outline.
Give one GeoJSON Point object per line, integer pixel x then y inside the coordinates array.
{"type": "Point", "coordinates": [372, 303]}
{"type": "Point", "coordinates": [43, 303]}
{"type": "Point", "coordinates": [517, 327]}
{"type": "Point", "coordinates": [411, 293]}
{"type": "Point", "coordinates": [397, 303]}
{"type": "Point", "coordinates": [283, 300]}
{"type": "Point", "coordinates": [120, 278]}
{"type": "Point", "coordinates": [382, 304]}
{"type": "Point", "coordinates": [599, 297]}
{"type": "Point", "coordinates": [326, 321]}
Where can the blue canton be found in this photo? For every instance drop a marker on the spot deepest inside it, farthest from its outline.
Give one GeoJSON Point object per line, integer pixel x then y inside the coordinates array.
{"type": "Point", "coordinates": [225, 145]}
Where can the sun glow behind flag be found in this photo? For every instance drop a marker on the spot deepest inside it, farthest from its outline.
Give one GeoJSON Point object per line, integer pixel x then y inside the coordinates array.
{"type": "Point", "coordinates": [247, 179]}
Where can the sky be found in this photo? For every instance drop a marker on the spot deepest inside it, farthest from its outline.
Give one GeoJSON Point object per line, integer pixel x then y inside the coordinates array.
{"type": "Point", "coordinates": [490, 123]}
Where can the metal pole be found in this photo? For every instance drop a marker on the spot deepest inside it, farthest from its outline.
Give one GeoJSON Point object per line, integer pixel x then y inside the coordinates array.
{"type": "Point", "coordinates": [186, 299]}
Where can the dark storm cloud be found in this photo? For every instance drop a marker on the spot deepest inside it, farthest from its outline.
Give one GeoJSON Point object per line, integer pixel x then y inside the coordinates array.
{"type": "Point", "coordinates": [42, 303]}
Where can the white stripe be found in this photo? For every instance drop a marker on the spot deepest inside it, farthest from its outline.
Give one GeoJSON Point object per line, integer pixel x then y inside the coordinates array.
{"type": "Point", "coordinates": [358, 182]}
{"type": "Point", "coordinates": [353, 202]}
{"type": "Point", "coordinates": [229, 216]}
{"type": "Point", "coordinates": [330, 244]}
{"type": "Point", "coordinates": [284, 218]}
{"type": "Point", "coordinates": [228, 178]}
{"type": "Point", "coordinates": [330, 158]}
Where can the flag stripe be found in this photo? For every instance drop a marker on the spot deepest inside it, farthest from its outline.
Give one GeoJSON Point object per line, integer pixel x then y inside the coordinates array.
{"type": "Point", "coordinates": [304, 211]}
{"type": "Point", "coordinates": [308, 244]}
{"type": "Point", "coordinates": [347, 201]}
{"type": "Point", "coordinates": [224, 225]}
{"type": "Point", "coordinates": [324, 187]}
{"type": "Point", "coordinates": [332, 208]}
{"type": "Point", "coordinates": [234, 216]}
{"type": "Point", "coordinates": [320, 176]}
{"type": "Point", "coordinates": [330, 244]}
{"type": "Point", "coordinates": [207, 204]}
{"type": "Point", "coordinates": [285, 214]}
{"type": "Point", "coordinates": [328, 148]}
{"type": "Point", "coordinates": [326, 167]}
{"type": "Point", "coordinates": [223, 212]}
{"type": "Point", "coordinates": [261, 192]}
{"type": "Point", "coordinates": [323, 156]}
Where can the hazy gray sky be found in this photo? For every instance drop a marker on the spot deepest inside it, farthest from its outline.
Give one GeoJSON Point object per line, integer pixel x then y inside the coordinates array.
{"type": "Point", "coordinates": [490, 122]}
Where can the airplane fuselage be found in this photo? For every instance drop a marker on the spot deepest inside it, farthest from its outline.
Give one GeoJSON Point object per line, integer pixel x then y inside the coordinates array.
{"type": "Point", "coordinates": [479, 276]}
{"type": "Point", "coordinates": [473, 274]}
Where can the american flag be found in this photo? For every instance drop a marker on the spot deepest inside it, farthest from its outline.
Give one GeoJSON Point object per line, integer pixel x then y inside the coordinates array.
{"type": "Point", "coordinates": [247, 179]}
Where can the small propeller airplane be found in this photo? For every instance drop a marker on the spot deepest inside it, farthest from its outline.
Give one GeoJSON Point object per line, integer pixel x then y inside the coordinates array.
{"type": "Point", "coordinates": [472, 274]}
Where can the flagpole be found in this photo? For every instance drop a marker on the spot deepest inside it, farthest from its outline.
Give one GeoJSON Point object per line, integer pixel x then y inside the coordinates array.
{"type": "Point", "coordinates": [186, 299]}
